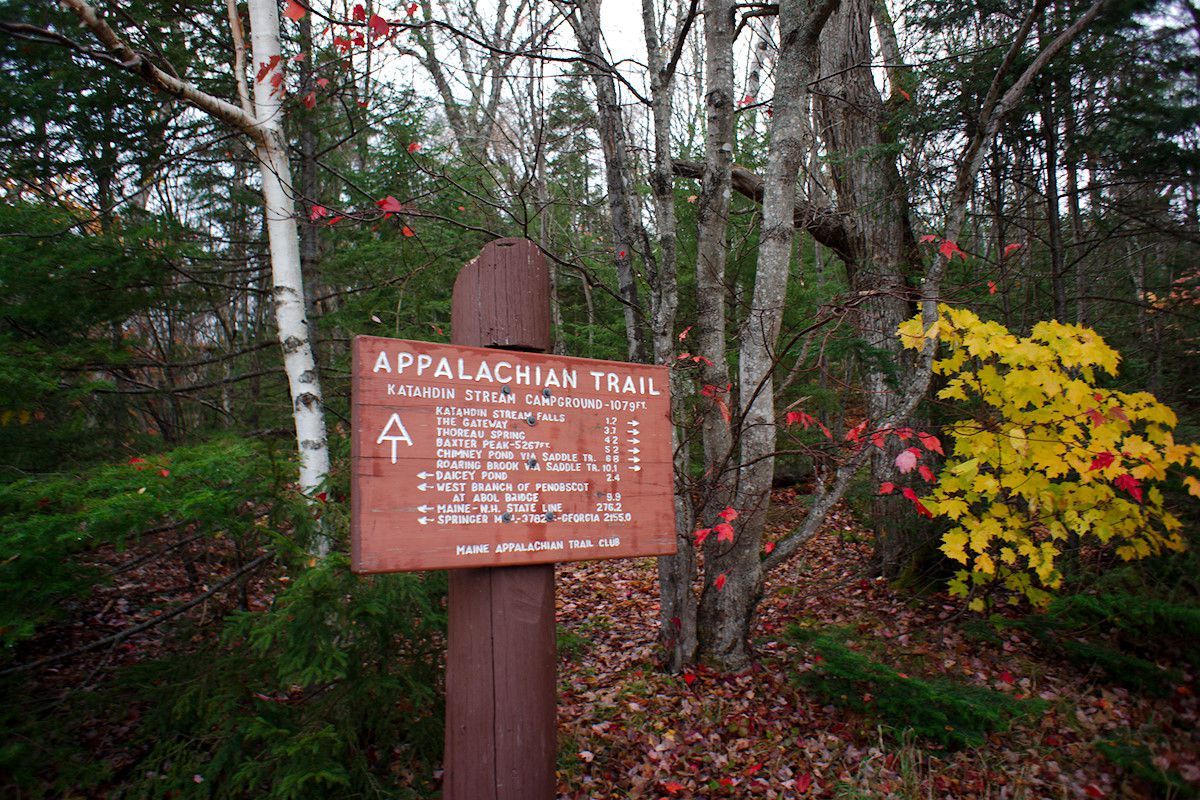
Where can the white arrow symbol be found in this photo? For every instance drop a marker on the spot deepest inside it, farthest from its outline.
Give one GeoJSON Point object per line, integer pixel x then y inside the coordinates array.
{"type": "Point", "coordinates": [635, 460]}
{"type": "Point", "coordinates": [633, 450]}
{"type": "Point", "coordinates": [424, 509]}
{"type": "Point", "coordinates": [422, 487]}
{"type": "Point", "coordinates": [635, 422]}
{"type": "Point", "coordinates": [634, 440]}
{"type": "Point", "coordinates": [424, 475]}
{"type": "Point", "coordinates": [636, 468]}
{"type": "Point", "coordinates": [633, 431]}
{"type": "Point", "coordinates": [401, 436]}
{"type": "Point", "coordinates": [423, 520]}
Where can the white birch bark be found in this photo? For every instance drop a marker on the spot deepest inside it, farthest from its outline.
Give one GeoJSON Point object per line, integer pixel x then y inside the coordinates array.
{"type": "Point", "coordinates": [283, 236]}
{"type": "Point", "coordinates": [264, 127]}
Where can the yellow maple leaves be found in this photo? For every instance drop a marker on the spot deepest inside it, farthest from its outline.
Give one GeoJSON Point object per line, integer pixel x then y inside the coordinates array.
{"type": "Point", "coordinates": [1050, 458]}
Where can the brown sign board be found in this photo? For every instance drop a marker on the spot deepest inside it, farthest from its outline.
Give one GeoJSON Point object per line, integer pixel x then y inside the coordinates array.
{"type": "Point", "coordinates": [475, 457]}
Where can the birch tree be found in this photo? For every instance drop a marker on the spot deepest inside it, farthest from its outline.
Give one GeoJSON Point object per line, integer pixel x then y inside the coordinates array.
{"type": "Point", "coordinates": [260, 122]}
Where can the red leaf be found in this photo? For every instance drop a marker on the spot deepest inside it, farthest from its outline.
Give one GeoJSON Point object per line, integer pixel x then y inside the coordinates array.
{"type": "Point", "coordinates": [310, 100]}
{"type": "Point", "coordinates": [701, 535]}
{"type": "Point", "coordinates": [685, 333]}
{"type": "Point", "coordinates": [922, 510]}
{"type": "Point", "coordinates": [887, 487]}
{"type": "Point", "coordinates": [136, 460]}
{"type": "Point", "coordinates": [925, 472]}
{"type": "Point", "coordinates": [931, 443]}
{"type": "Point", "coordinates": [878, 438]}
{"type": "Point", "coordinates": [720, 582]}
{"type": "Point", "coordinates": [906, 462]}
{"type": "Point", "coordinates": [264, 69]}
{"type": "Point", "coordinates": [908, 492]}
{"type": "Point", "coordinates": [407, 231]}
{"type": "Point", "coordinates": [769, 548]}
{"type": "Point", "coordinates": [378, 26]}
{"type": "Point", "coordinates": [753, 768]}
{"type": "Point", "coordinates": [1096, 417]}
{"type": "Point", "coordinates": [341, 44]}
{"type": "Point", "coordinates": [905, 94]}
{"type": "Point", "coordinates": [390, 203]}
{"type": "Point", "coordinates": [951, 249]}
{"type": "Point", "coordinates": [1116, 413]}
{"type": "Point", "coordinates": [724, 407]}
{"type": "Point", "coordinates": [991, 287]}
{"type": "Point", "coordinates": [1101, 461]}
{"type": "Point", "coordinates": [317, 212]}
{"type": "Point", "coordinates": [904, 434]}
{"type": "Point", "coordinates": [729, 514]}
{"type": "Point", "coordinates": [1006, 677]}
{"type": "Point", "coordinates": [164, 472]}
{"type": "Point", "coordinates": [359, 14]}
{"type": "Point", "coordinates": [299, 56]}
{"type": "Point", "coordinates": [412, 9]}
{"type": "Point", "coordinates": [1129, 484]}
{"type": "Point", "coordinates": [804, 782]}
{"type": "Point", "coordinates": [322, 496]}
{"type": "Point", "coordinates": [1009, 249]}
{"type": "Point", "coordinates": [413, 147]}
{"type": "Point", "coordinates": [928, 238]}
{"type": "Point", "coordinates": [825, 431]}
{"type": "Point", "coordinates": [322, 82]}
{"type": "Point", "coordinates": [689, 678]}
{"type": "Point", "coordinates": [672, 787]}
{"type": "Point", "coordinates": [853, 434]}
{"type": "Point", "coordinates": [799, 416]}
{"type": "Point", "coordinates": [294, 11]}
{"type": "Point", "coordinates": [335, 220]}
{"type": "Point", "coordinates": [726, 781]}
{"type": "Point", "coordinates": [724, 532]}
{"type": "Point", "coordinates": [1092, 790]}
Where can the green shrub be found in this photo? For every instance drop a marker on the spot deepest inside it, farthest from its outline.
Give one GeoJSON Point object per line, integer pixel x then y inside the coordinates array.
{"type": "Point", "coordinates": [1137, 760]}
{"type": "Point", "coordinates": [321, 696]}
{"type": "Point", "coordinates": [936, 709]}
{"type": "Point", "coordinates": [1121, 635]}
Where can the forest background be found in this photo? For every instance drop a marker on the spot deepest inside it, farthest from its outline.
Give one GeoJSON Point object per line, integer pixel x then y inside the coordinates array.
{"type": "Point", "coordinates": [202, 204]}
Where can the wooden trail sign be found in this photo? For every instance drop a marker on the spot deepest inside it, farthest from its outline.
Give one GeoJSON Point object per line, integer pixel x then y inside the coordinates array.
{"type": "Point", "coordinates": [495, 460]}
{"type": "Point", "coordinates": [468, 457]}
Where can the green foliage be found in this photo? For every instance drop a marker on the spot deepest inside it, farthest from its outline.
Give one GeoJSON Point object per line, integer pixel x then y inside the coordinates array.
{"type": "Point", "coordinates": [936, 709]}
{"type": "Point", "coordinates": [1121, 635]}
{"type": "Point", "coordinates": [1136, 759]}
{"type": "Point", "coordinates": [318, 697]}
{"type": "Point", "coordinates": [228, 487]}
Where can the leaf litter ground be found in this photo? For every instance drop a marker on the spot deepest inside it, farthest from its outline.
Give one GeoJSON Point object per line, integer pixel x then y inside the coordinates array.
{"type": "Point", "coordinates": [627, 730]}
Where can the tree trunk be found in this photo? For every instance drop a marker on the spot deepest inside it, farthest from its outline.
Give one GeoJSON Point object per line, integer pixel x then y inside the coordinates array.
{"type": "Point", "coordinates": [287, 282]}
{"type": "Point", "coordinates": [677, 601]}
{"type": "Point", "coordinates": [727, 611]}
{"type": "Point", "coordinates": [611, 129]}
{"type": "Point", "coordinates": [870, 191]}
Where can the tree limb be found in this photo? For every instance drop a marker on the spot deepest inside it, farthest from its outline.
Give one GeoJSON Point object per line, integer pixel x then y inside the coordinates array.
{"type": "Point", "coordinates": [827, 225]}
{"type": "Point", "coordinates": [135, 62]}
{"type": "Point", "coordinates": [141, 626]}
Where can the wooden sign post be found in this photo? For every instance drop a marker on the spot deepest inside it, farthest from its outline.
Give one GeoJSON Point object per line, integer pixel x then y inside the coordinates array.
{"type": "Point", "coordinates": [493, 461]}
